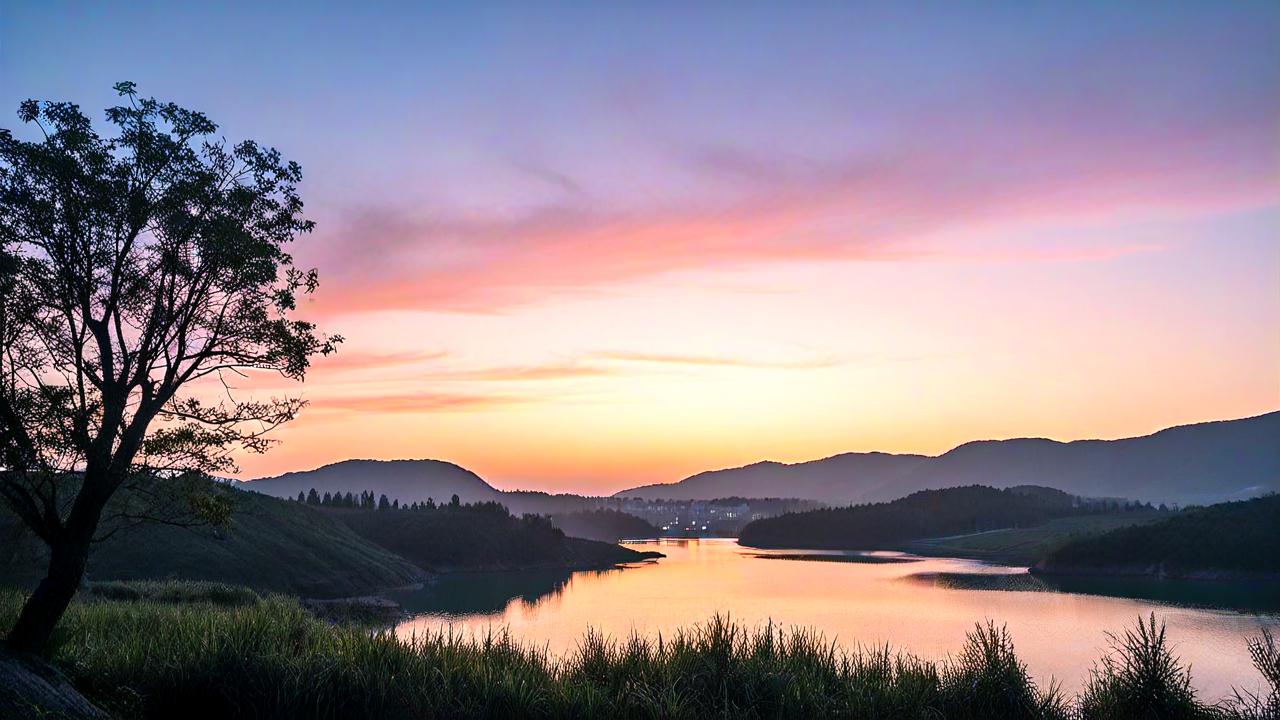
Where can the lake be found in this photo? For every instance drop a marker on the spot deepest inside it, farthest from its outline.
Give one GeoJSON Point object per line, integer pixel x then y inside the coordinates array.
{"type": "Point", "coordinates": [924, 606]}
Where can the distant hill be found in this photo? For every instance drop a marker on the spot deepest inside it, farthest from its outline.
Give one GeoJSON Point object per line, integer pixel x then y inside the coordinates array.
{"type": "Point", "coordinates": [270, 544]}
{"type": "Point", "coordinates": [924, 514]}
{"type": "Point", "coordinates": [838, 479]}
{"type": "Point", "coordinates": [604, 525]}
{"type": "Point", "coordinates": [1236, 538]}
{"type": "Point", "coordinates": [478, 537]}
{"type": "Point", "coordinates": [1201, 463]}
{"type": "Point", "coordinates": [408, 481]}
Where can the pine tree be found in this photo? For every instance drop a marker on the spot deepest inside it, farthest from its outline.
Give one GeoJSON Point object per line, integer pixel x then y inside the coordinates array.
{"type": "Point", "coordinates": [313, 498]}
{"type": "Point", "coordinates": [384, 503]}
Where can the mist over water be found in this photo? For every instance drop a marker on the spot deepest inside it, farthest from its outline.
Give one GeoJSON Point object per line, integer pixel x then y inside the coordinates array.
{"type": "Point", "coordinates": [1060, 635]}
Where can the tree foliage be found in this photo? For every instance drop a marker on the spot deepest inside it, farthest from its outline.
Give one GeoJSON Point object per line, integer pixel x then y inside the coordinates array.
{"type": "Point", "coordinates": [142, 273]}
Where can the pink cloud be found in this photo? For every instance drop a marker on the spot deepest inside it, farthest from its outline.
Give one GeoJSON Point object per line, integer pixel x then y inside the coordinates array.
{"type": "Point", "coordinates": [552, 371]}
{"type": "Point", "coordinates": [717, 361]}
{"type": "Point", "coordinates": [417, 402]}
{"type": "Point", "coordinates": [348, 360]}
{"type": "Point", "coordinates": [893, 206]}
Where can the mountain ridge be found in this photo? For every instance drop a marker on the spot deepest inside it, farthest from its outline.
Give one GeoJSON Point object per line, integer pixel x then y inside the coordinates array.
{"type": "Point", "coordinates": [1193, 463]}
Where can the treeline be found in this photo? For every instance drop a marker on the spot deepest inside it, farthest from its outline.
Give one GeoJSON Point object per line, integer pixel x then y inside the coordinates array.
{"type": "Point", "coordinates": [478, 535]}
{"type": "Point", "coordinates": [1240, 537]}
{"type": "Point", "coordinates": [924, 514]}
{"type": "Point", "coordinates": [365, 501]}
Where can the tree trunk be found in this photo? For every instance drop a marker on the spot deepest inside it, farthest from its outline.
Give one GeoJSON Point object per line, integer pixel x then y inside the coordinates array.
{"type": "Point", "coordinates": [68, 555]}
{"type": "Point", "coordinates": [45, 606]}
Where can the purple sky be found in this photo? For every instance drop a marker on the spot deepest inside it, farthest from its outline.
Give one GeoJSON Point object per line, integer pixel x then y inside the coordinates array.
{"type": "Point", "coordinates": [624, 242]}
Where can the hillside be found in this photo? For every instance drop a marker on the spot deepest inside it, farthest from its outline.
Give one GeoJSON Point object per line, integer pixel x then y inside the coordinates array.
{"type": "Point", "coordinates": [603, 525]}
{"type": "Point", "coordinates": [481, 536]}
{"type": "Point", "coordinates": [1025, 546]}
{"type": "Point", "coordinates": [1201, 463]}
{"type": "Point", "coordinates": [269, 544]}
{"type": "Point", "coordinates": [925, 514]}
{"type": "Point", "coordinates": [1232, 539]}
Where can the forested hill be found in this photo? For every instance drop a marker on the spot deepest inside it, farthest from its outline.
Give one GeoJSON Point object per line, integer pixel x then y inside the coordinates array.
{"type": "Point", "coordinates": [482, 536]}
{"type": "Point", "coordinates": [928, 513]}
{"type": "Point", "coordinates": [1236, 538]}
{"type": "Point", "coordinates": [405, 480]}
{"type": "Point", "coordinates": [267, 544]}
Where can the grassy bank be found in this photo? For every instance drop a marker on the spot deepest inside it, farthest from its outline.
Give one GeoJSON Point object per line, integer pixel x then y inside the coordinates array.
{"type": "Point", "coordinates": [270, 658]}
{"type": "Point", "coordinates": [1025, 546]}
{"type": "Point", "coordinates": [1230, 540]}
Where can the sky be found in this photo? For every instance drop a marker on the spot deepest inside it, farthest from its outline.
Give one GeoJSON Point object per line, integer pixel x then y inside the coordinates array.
{"type": "Point", "coordinates": [583, 246]}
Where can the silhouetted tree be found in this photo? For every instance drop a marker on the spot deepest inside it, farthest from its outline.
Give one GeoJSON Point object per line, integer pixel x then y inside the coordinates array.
{"type": "Point", "coordinates": [383, 504]}
{"type": "Point", "coordinates": [130, 267]}
{"type": "Point", "coordinates": [302, 498]}
{"type": "Point", "coordinates": [455, 501]}
{"type": "Point", "coordinates": [313, 497]}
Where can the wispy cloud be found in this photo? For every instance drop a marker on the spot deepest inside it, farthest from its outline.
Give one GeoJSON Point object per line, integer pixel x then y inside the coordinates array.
{"type": "Point", "coordinates": [551, 371]}
{"type": "Point", "coordinates": [894, 208]}
{"type": "Point", "coordinates": [418, 402]}
{"type": "Point", "coordinates": [349, 360]}
{"type": "Point", "coordinates": [717, 361]}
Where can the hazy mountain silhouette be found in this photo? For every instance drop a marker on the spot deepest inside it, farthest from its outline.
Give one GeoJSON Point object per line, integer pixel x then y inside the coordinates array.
{"type": "Point", "coordinates": [1201, 463]}
{"type": "Point", "coordinates": [405, 480]}
{"type": "Point", "coordinates": [839, 478]}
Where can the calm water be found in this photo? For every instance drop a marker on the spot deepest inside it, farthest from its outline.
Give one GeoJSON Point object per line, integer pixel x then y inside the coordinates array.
{"type": "Point", "coordinates": [911, 605]}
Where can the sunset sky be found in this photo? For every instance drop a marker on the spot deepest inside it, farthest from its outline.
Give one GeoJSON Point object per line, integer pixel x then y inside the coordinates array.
{"type": "Point", "coordinates": [606, 244]}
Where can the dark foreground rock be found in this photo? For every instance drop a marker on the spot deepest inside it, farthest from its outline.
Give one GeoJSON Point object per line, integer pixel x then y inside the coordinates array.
{"type": "Point", "coordinates": [31, 688]}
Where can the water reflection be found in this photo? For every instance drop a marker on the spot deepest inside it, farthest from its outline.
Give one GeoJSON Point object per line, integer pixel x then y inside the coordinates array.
{"type": "Point", "coordinates": [1245, 596]}
{"type": "Point", "coordinates": [1058, 634]}
{"type": "Point", "coordinates": [487, 593]}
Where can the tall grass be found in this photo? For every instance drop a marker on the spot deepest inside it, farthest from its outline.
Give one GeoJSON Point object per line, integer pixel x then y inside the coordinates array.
{"type": "Point", "coordinates": [1266, 657]}
{"type": "Point", "coordinates": [270, 658]}
{"type": "Point", "coordinates": [186, 591]}
{"type": "Point", "coordinates": [1141, 678]}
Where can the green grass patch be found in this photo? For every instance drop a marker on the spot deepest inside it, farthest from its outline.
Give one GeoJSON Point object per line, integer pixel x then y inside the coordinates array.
{"type": "Point", "coordinates": [1024, 546]}
{"type": "Point", "coordinates": [173, 592]}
